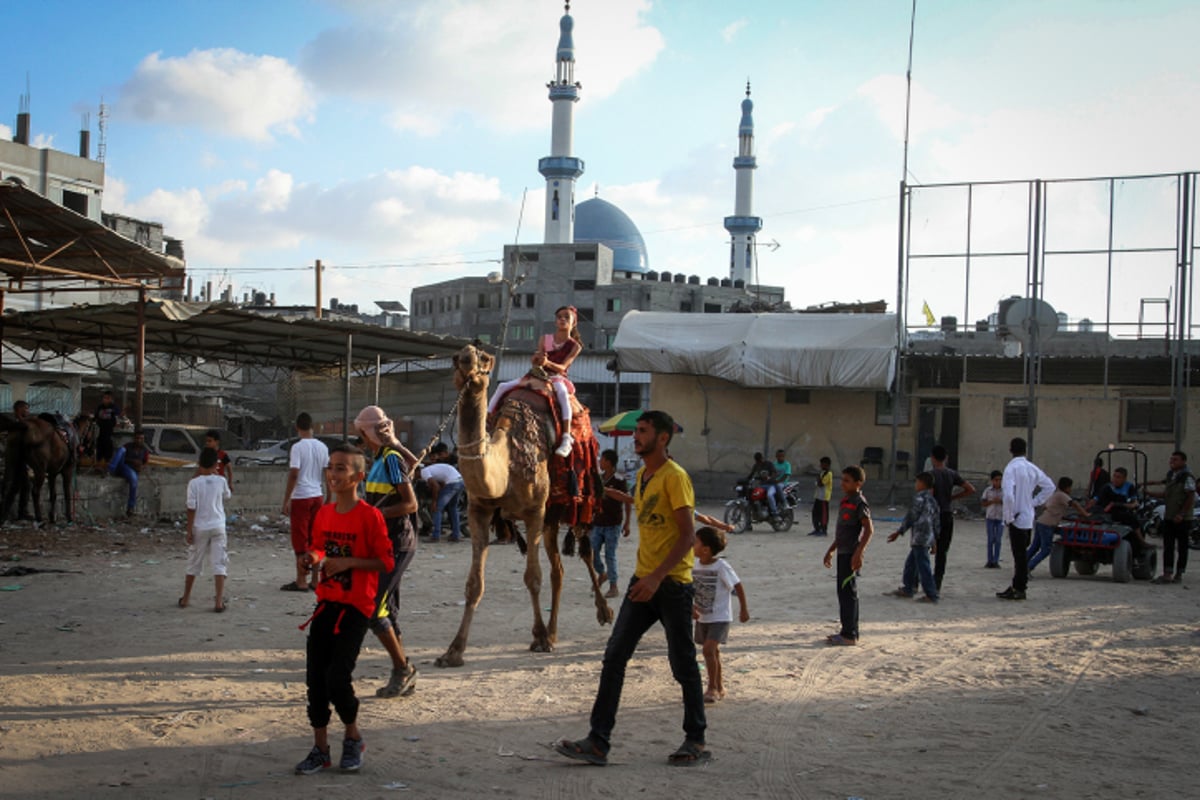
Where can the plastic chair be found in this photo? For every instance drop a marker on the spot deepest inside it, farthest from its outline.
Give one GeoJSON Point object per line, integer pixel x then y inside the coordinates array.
{"type": "Point", "coordinates": [902, 460]}
{"type": "Point", "coordinates": [872, 455]}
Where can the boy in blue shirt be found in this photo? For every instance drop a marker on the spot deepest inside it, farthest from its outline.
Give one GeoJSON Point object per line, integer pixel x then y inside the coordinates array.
{"type": "Point", "coordinates": [924, 519]}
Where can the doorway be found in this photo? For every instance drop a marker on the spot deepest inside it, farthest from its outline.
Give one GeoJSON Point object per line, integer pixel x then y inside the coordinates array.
{"type": "Point", "coordinates": [937, 423]}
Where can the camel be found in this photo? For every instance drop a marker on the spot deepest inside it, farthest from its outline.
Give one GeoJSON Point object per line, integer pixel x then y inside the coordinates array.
{"type": "Point", "coordinates": [37, 443]}
{"type": "Point", "coordinates": [509, 470]}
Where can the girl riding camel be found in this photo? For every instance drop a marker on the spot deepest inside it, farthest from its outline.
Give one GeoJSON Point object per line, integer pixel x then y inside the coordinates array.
{"type": "Point", "coordinates": [556, 351]}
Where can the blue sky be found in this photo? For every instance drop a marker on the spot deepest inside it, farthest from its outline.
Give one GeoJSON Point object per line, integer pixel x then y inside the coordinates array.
{"type": "Point", "coordinates": [394, 140]}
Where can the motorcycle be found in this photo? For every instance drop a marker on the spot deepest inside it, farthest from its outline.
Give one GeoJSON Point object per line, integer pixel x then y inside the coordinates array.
{"type": "Point", "coordinates": [1153, 521]}
{"type": "Point", "coordinates": [750, 505]}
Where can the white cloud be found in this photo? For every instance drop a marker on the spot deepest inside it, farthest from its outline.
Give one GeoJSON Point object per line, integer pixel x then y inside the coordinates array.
{"type": "Point", "coordinates": [222, 90]}
{"type": "Point", "coordinates": [431, 60]}
{"type": "Point", "coordinates": [887, 94]}
{"type": "Point", "coordinates": [6, 133]}
{"type": "Point", "coordinates": [43, 140]}
{"type": "Point", "coordinates": [731, 30]}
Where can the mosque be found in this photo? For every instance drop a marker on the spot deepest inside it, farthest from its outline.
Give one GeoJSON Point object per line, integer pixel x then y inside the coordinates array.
{"type": "Point", "coordinates": [593, 257]}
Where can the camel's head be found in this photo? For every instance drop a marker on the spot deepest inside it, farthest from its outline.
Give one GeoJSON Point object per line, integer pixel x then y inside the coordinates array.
{"type": "Point", "coordinates": [472, 367]}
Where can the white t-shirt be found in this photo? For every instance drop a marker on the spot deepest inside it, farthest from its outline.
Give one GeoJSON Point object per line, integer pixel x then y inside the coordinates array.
{"type": "Point", "coordinates": [310, 456]}
{"type": "Point", "coordinates": [714, 590]}
{"type": "Point", "coordinates": [206, 495]}
{"type": "Point", "coordinates": [442, 473]}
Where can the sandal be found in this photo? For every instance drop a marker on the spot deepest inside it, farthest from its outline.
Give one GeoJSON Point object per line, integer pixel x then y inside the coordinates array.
{"type": "Point", "coordinates": [582, 750]}
{"type": "Point", "coordinates": [182, 604]}
{"type": "Point", "coordinates": [292, 586]}
{"type": "Point", "coordinates": [689, 754]}
{"type": "Point", "coordinates": [711, 696]}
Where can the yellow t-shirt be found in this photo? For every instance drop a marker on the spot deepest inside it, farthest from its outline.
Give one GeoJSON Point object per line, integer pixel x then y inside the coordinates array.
{"type": "Point", "coordinates": [668, 489]}
{"type": "Point", "coordinates": [824, 485]}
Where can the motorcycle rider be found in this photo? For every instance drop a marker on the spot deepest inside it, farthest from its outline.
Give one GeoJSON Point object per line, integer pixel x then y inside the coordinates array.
{"type": "Point", "coordinates": [763, 472]}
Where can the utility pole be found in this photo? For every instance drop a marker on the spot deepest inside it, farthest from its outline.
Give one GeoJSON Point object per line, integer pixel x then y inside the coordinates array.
{"type": "Point", "coordinates": [317, 309]}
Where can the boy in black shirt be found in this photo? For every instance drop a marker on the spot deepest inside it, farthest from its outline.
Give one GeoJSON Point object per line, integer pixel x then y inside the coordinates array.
{"type": "Point", "coordinates": [854, 530]}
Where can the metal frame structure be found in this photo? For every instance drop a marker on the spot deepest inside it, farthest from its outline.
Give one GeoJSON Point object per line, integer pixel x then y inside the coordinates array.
{"type": "Point", "coordinates": [919, 205]}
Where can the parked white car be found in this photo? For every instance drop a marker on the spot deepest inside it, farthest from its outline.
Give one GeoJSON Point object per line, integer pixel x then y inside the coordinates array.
{"type": "Point", "coordinates": [183, 441]}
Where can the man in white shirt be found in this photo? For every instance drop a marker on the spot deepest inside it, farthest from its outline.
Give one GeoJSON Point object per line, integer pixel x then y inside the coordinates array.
{"type": "Point", "coordinates": [304, 495]}
{"type": "Point", "coordinates": [445, 484]}
{"type": "Point", "coordinates": [1025, 486]}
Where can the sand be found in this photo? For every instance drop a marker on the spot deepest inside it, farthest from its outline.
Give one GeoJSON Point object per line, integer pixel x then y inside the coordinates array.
{"type": "Point", "coordinates": [1087, 689]}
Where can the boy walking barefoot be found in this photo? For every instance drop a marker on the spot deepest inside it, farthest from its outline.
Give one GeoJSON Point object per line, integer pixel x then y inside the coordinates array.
{"type": "Point", "coordinates": [923, 519]}
{"type": "Point", "coordinates": [350, 546]}
{"type": "Point", "coordinates": [854, 531]}
{"type": "Point", "coordinates": [206, 496]}
{"type": "Point", "coordinates": [715, 583]}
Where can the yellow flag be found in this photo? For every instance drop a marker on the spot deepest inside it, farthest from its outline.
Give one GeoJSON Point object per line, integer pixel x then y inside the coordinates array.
{"type": "Point", "coordinates": [929, 318]}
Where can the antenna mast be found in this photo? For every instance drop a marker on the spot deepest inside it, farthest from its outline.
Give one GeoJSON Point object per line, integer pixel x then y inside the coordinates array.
{"type": "Point", "coordinates": [102, 123]}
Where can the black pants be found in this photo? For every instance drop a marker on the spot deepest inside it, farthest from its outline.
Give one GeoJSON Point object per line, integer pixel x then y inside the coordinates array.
{"type": "Point", "coordinates": [1019, 539]}
{"type": "Point", "coordinates": [1176, 536]}
{"type": "Point", "coordinates": [672, 606]}
{"type": "Point", "coordinates": [332, 651]}
{"type": "Point", "coordinates": [943, 541]}
{"type": "Point", "coordinates": [820, 515]}
{"type": "Point", "coordinates": [847, 592]}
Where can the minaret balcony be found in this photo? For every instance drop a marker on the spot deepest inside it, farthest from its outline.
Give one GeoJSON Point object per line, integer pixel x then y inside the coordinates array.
{"type": "Point", "coordinates": [560, 167]}
{"type": "Point", "coordinates": [564, 91]}
{"type": "Point", "coordinates": [742, 225]}
{"type": "Point", "coordinates": [745, 162]}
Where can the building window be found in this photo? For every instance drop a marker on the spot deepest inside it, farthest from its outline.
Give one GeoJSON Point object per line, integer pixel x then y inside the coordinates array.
{"type": "Point", "coordinates": [800, 397]}
{"type": "Point", "coordinates": [1016, 412]}
{"type": "Point", "coordinates": [1148, 418]}
{"type": "Point", "coordinates": [584, 285]}
{"type": "Point", "coordinates": [712, 308]}
{"type": "Point", "coordinates": [585, 256]}
{"type": "Point", "coordinates": [441, 304]}
{"type": "Point", "coordinates": [527, 258]}
{"type": "Point", "coordinates": [585, 315]}
{"type": "Point", "coordinates": [457, 302]}
{"type": "Point", "coordinates": [485, 338]}
{"type": "Point", "coordinates": [78, 202]}
{"type": "Point", "coordinates": [529, 300]}
{"type": "Point", "coordinates": [685, 306]}
{"type": "Point", "coordinates": [483, 300]}
{"type": "Point", "coordinates": [530, 332]}
{"type": "Point", "coordinates": [609, 339]}
{"type": "Point", "coordinates": [884, 406]}
{"type": "Point", "coordinates": [612, 304]}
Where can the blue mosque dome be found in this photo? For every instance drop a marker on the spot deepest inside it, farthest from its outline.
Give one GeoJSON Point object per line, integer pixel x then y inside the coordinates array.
{"type": "Point", "coordinates": [600, 221]}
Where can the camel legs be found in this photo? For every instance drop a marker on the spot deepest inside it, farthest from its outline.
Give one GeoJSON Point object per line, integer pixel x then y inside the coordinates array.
{"type": "Point", "coordinates": [550, 534]}
{"type": "Point", "coordinates": [479, 517]}
{"type": "Point", "coordinates": [35, 493]}
{"type": "Point", "coordinates": [604, 613]}
{"type": "Point", "coordinates": [543, 637]}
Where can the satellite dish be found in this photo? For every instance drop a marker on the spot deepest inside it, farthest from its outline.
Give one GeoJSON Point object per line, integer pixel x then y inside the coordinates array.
{"type": "Point", "coordinates": [1025, 317]}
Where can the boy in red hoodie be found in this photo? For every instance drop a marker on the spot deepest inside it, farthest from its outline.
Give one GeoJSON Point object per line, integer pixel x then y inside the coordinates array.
{"type": "Point", "coordinates": [351, 547]}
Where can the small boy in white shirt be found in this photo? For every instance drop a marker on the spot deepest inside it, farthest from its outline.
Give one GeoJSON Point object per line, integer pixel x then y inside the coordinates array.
{"type": "Point", "coordinates": [715, 583]}
{"type": "Point", "coordinates": [206, 495]}
{"type": "Point", "coordinates": [993, 501]}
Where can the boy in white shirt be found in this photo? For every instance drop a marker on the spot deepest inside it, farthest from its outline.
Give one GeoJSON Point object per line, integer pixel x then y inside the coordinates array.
{"type": "Point", "coordinates": [715, 583]}
{"type": "Point", "coordinates": [206, 495]}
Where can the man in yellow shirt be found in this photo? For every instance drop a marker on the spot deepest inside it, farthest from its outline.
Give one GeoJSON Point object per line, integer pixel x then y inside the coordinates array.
{"type": "Point", "coordinates": [820, 509]}
{"type": "Point", "coordinates": [661, 591]}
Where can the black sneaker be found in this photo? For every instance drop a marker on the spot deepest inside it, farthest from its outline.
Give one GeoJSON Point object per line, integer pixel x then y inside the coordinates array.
{"type": "Point", "coordinates": [1008, 594]}
{"type": "Point", "coordinates": [352, 755]}
{"type": "Point", "coordinates": [315, 762]}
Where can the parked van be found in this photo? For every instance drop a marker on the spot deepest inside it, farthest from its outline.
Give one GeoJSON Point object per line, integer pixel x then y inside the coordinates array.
{"type": "Point", "coordinates": [183, 441]}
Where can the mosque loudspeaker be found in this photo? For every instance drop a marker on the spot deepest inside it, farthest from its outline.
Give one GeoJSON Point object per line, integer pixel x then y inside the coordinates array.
{"type": "Point", "coordinates": [1026, 318]}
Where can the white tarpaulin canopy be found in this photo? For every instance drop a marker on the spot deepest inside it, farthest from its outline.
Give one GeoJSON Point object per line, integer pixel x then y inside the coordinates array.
{"type": "Point", "coordinates": [850, 351]}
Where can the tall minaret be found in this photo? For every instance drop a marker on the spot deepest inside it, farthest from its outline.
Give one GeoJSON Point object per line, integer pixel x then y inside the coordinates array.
{"type": "Point", "coordinates": [743, 225]}
{"type": "Point", "coordinates": [560, 168]}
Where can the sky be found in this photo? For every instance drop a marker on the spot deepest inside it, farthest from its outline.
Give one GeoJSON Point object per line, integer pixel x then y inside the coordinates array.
{"type": "Point", "coordinates": [398, 141]}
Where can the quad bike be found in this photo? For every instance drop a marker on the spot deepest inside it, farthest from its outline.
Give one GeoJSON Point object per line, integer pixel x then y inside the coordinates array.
{"type": "Point", "coordinates": [750, 505]}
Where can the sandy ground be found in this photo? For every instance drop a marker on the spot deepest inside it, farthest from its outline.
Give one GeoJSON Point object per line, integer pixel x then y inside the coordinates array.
{"type": "Point", "coordinates": [1088, 689]}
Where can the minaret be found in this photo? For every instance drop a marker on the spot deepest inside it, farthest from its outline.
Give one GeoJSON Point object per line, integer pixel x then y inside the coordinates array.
{"type": "Point", "coordinates": [560, 168]}
{"type": "Point", "coordinates": [742, 226]}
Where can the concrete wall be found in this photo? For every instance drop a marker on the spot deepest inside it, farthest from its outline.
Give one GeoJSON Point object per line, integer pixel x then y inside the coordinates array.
{"type": "Point", "coordinates": [163, 492]}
